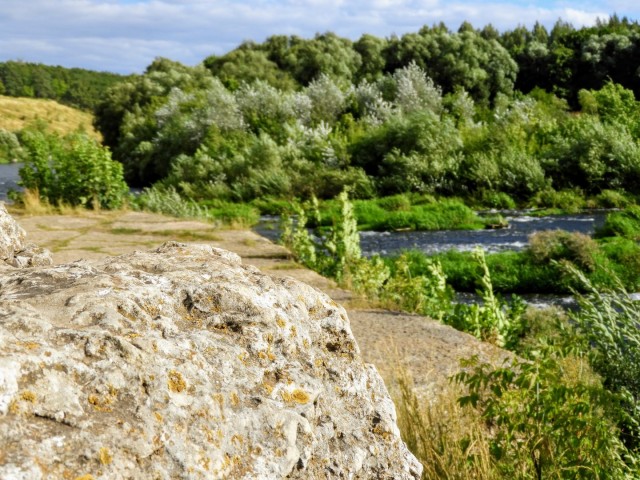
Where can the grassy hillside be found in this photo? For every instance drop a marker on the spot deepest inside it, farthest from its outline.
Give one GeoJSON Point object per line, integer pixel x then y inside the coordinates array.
{"type": "Point", "coordinates": [16, 113]}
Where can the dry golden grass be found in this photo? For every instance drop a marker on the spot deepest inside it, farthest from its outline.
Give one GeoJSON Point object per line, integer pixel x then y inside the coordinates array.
{"type": "Point", "coordinates": [32, 204]}
{"type": "Point", "coordinates": [16, 113]}
{"type": "Point", "coordinates": [451, 442]}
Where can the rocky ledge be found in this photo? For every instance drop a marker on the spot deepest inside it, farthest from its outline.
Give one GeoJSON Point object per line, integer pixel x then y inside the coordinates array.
{"type": "Point", "coordinates": [183, 363]}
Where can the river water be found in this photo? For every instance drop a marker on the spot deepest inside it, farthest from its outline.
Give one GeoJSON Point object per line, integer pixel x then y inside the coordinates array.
{"type": "Point", "coordinates": [9, 177]}
{"type": "Point", "coordinates": [515, 237]}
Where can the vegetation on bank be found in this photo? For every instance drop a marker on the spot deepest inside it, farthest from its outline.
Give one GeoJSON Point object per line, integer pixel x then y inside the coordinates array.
{"type": "Point", "coordinates": [565, 407]}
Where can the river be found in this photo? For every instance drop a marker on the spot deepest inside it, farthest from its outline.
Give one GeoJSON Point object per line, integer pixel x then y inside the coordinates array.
{"type": "Point", "coordinates": [9, 177]}
{"type": "Point", "coordinates": [515, 237]}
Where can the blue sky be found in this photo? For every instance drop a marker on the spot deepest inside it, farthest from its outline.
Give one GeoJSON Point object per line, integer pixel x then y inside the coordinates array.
{"type": "Point", "coordinates": [126, 35]}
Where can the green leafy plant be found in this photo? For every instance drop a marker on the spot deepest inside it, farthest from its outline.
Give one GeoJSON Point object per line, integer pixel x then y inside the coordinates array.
{"type": "Point", "coordinates": [608, 320]}
{"type": "Point", "coordinates": [493, 320]}
{"type": "Point", "coordinates": [548, 421]}
{"type": "Point", "coordinates": [73, 170]}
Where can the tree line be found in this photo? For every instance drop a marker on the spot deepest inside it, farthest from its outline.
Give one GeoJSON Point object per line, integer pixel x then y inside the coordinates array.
{"type": "Point", "coordinates": [76, 87]}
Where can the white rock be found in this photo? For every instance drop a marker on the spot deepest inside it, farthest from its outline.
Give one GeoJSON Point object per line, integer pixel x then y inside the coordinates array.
{"type": "Point", "coordinates": [182, 363]}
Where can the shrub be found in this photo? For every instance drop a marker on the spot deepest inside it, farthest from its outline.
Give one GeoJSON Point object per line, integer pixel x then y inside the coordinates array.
{"type": "Point", "coordinates": [167, 201]}
{"type": "Point", "coordinates": [624, 224]}
{"type": "Point", "coordinates": [10, 149]}
{"type": "Point", "coordinates": [612, 199]}
{"type": "Point", "coordinates": [556, 245]}
{"type": "Point", "coordinates": [550, 419]}
{"type": "Point", "coordinates": [74, 170]}
{"type": "Point", "coordinates": [499, 200]}
{"type": "Point", "coordinates": [569, 201]}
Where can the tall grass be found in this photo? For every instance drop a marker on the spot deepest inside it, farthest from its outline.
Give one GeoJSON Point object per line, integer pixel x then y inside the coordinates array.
{"type": "Point", "coordinates": [451, 441]}
{"type": "Point", "coordinates": [169, 202]}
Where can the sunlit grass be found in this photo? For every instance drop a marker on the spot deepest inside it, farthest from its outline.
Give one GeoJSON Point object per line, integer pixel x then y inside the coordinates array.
{"type": "Point", "coordinates": [16, 113]}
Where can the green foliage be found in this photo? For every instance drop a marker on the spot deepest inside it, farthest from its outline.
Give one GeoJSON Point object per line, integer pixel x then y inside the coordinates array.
{"type": "Point", "coordinates": [499, 200]}
{"type": "Point", "coordinates": [493, 320]}
{"type": "Point", "coordinates": [168, 202]}
{"type": "Point", "coordinates": [10, 149]}
{"type": "Point", "coordinates": [427, 294]}
{"type": "Point", "coordinates": [72, 86]}
{"type": "Point", "coordinates": [296, 238]}
{"type": "Point", "coordinates": [612, 199]}
{"type": "Point", "coordinates": [608, 321]}
{"type": "Point", "coordinates": [624, 224]}
{"type": "Point", "coordinates": [567, 201]}
{"type": "Point", "coordinates": [73, 170]}
{"type": "Point", "coordinates": [586, 153]}
{"type": "Point", "coordinates": [547, 421]}
{"type": "Point", "coordinates": [555, 245]}
{"type": "Point", "coordinates": [416, 153]}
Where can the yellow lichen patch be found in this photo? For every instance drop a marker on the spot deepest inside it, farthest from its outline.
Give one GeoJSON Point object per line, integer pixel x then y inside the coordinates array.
{"type": "Point", "coordinates": [105, 456]}
{"type": "Point", "coordinates": [280, 321]}
{"type": "Point", "coordinates": [235, 400]}
{"type": "Point", "coordinates": [378, 430]}
{"type": "Point", "coordinates": [268, 388]}
{"type": "Point", "coordinates": [237, 441]}
{"type": "Point", "coordinates": [28, 396]}
{"type": "Point", "coordinates": [14, 408]}
{"type": "Point", "coordinates": [293, 330]}
{"type": "Point", "coordinates": [306, 343]}
{"type": "Point", "coordinates": [295, 396]}
{"type": "Point", "coordinates": [85, 477]}
{"type": "Point", "coordinates": [244, 358]}
{"type": "Point", "coordinates": [29, 345]}
{"type": "Point", "coordinates": [158, 416]}
{"type": "Point", "coordinates": [176, 382]}
{"type": "Point", "coordinates": [101, 403]}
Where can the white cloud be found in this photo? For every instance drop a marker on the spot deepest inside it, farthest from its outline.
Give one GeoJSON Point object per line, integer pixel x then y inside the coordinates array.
{"type": "Point", "coordinates": [125, 37]}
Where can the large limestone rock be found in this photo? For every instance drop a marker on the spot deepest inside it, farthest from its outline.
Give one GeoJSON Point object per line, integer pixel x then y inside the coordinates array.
{"type": "Point", "coordinates": [183, 363]}
{"type": "Point", "coordinates": [13, 249]}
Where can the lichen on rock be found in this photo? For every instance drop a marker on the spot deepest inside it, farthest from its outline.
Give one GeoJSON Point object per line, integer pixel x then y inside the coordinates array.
{"type": "Point", "coordinates": [183, 363]}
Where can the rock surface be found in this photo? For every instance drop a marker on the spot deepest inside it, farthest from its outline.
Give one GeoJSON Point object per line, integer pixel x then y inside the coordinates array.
{"type": "Point", "coordinates": [13, 250]}
{"type": "Point", "coordinates": [183, 363]}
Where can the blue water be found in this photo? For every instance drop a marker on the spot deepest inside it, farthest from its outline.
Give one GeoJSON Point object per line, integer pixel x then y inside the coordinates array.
{"type": "Point", "coordinates": [515, 237]}
{"type": "Point", "coordinates": [9, 179]}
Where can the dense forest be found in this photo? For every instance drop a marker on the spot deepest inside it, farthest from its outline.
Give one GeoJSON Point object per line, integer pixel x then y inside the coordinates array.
{"type": "Point", "coordinates": [76, 87]}
{"type": "Point", "coordinates": [472, 113]}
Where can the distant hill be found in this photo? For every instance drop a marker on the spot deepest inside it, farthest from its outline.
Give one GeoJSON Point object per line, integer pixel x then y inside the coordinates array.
{"type": "Point", "coordinates": [76, 87]}
{"type": "Point", "coordinates": [16, 113]}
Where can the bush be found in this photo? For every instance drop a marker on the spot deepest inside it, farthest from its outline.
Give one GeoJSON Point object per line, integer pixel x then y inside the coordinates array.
{"type": "Point", "coordinates": [550, 419]}
{"type": "Point", "coordinates": [499, 200]}
{"type": "Point", "coordinates": [556, 245]}
{"type": "Point", "coordinates": [74, 170]}
{"type": "Point", "coordinates": [612, 199]}
{"type": "Point", "coordinates": [624, 224]}
{"type": "Point", "coordinates": [569, 201]}
{"type": "Point", "coordinates": [10, 149]}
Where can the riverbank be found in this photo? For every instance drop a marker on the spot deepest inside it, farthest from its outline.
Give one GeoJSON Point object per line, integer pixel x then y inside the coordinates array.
{"type": "Point", "coordinates": [431, 351]}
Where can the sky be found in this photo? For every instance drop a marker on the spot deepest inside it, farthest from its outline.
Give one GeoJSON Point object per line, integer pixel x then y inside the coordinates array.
{"type": "Point", "coordinates": [124, 36]}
